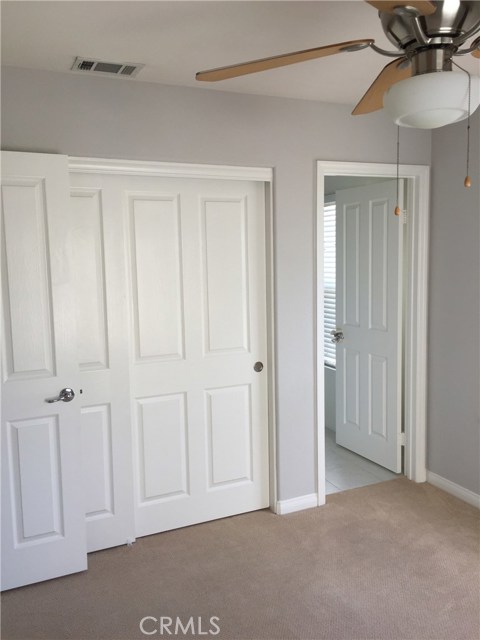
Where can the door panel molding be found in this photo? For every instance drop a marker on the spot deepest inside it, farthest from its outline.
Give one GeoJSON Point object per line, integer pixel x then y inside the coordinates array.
{"type": "Point", "coordinates": [416, 301]}
{"type": "Point", "coordinates": [29, 344]}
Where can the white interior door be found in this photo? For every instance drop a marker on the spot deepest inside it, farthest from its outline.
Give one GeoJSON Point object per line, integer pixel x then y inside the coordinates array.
{"type": "Point", "coordinates": [198, 291]}
{"type": "Point", "coordinates": [103, 361]}
{"type": "Point", "coordinates": [369, 313]}
{"type": "Point", "coordinates": [43, 528]}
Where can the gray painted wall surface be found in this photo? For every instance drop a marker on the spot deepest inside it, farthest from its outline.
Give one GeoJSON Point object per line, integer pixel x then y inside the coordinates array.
{"type": "Point", "coordinates": [115, 118]}
{"type": "Point", "coordinates": [454, 314]}
{"type": "Point", "coordinates": [330, 399]}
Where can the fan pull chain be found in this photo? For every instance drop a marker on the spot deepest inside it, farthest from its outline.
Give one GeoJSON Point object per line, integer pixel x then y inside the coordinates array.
{"type": "Point", "coordinates": [468, 181]}
{"type": "Point", "coordinates": [397, 208]}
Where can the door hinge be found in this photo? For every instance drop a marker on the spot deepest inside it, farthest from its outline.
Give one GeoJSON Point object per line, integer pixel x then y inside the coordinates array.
{"type": "Point", "coordinates": [402, 440]}
{"type": "Point", "coordinates": [404, 216]}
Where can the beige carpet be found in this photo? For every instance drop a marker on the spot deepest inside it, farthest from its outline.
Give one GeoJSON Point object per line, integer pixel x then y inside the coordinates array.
{"type": "Point", "coordinates": [392, 561]}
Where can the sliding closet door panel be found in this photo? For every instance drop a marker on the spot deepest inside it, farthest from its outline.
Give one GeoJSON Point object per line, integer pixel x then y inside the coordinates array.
{"type": "Point", "coordinates": [103, 360]}
{"type": "Point", "coordinates": [198, 296]}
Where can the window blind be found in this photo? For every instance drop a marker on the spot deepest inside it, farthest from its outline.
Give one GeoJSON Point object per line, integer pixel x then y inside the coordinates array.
{"type": "Point", "coordinates": [329, 258]}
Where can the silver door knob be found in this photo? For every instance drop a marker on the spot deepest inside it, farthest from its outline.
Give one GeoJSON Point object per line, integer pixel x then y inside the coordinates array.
{"type": "Point", "coordinates": [258, 366]}
{"type": "Point", "coordinates": [337, 335]}
{"type": "Point", "coordinates": [65, 395]}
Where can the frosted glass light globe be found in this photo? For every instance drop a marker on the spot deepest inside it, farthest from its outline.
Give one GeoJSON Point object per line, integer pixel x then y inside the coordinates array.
{"type": "Point", "coordinates": [431, 100]}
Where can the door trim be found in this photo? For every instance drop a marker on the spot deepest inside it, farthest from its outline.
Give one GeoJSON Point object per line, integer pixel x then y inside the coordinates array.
{"type": "Point", "coordinates": [169, 169]}
{"type": "Point", "coordinates": [415, 398]}
{"type": "Point", "coordinates": [217, 172]}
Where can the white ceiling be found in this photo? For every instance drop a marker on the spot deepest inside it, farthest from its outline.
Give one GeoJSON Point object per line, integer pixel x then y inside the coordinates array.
{"type": "Point", "coordinates": [175, 39]}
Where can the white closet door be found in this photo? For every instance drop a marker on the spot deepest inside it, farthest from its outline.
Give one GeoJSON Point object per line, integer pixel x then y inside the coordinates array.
{"type": "Point", "coordinates": [147, 296]}
{"type": "Point", "coordinates": [369, 312]}
{"type": "Point", "coordinates": [43, 528]}
{"type": "Point", "coordinates": [174, 392]}
{"type": "Point", "coordinates": [198, 293]}
{"type": "Point", "coordinates": [103, 361]}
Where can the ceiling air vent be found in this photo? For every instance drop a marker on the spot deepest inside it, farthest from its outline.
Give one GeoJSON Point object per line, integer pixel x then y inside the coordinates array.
{"type": "Point", "coordinates": [125, 69]}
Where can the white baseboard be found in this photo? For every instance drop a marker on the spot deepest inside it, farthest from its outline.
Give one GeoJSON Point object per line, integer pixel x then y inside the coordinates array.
{"type": "Point", "coordinates": [297, 504]}
{"type": "Point", "coordinates": [454, 489]}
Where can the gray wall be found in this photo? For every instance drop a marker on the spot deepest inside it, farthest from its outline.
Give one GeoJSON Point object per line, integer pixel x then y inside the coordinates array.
{"type": "Point", "coordinates": [115, 118]}
{"type": "Point", "coordinates": [454, 325]}
{"type": "Point", "coordinates": [330, 399]}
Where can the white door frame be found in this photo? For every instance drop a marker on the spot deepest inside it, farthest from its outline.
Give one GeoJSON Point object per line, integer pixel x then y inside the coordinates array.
{"type": "Point", "coordinates": [218, 172]}
{"type": "Point", "coordinates": [415, 313]}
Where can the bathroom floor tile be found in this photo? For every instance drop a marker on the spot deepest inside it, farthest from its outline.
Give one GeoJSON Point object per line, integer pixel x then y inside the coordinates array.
{"type": "Point", "coordinates": [346, 470]}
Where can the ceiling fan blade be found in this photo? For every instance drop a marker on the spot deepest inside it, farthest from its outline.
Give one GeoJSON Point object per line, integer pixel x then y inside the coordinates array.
{"type": "Point", "coordinates": [390, 75]}
{"type": "Point", "coordinates": [424, 7]}
{"type": "Point", "coordinates": [235, 70]}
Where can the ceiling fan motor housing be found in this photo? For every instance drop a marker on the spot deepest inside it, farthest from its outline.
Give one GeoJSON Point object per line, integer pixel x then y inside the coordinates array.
{"type": "Point", "coordinates": [449, 26]}
{"type": "Point", "coordinates": [431, 59]}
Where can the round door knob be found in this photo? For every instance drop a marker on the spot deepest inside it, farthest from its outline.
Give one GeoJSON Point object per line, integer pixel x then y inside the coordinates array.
{"type": "Point", "coordinates": [258, 366]}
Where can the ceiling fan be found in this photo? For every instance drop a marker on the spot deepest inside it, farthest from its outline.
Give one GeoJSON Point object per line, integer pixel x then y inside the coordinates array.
{"type": "Point", "coordinates": [414, 87]}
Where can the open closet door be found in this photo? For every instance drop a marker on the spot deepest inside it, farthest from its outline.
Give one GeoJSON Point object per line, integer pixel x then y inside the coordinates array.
{"type": "Point", "coordinates": [369, 323]}
{"type": "Point", "coordinates": [43, 521]}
